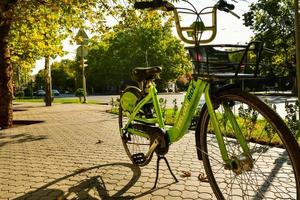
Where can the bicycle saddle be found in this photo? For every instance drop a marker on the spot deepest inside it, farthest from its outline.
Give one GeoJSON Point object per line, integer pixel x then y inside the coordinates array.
{"type": "Point", "coordinates": [144, 74]}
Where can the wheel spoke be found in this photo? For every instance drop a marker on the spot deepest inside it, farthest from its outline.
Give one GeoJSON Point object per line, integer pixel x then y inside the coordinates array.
{"type": "Point", "coordinates": [228, 187]}
{"type": "Point", "coordinates": [268, 183]}
{"type": "Point", "coordinates": [209, 155]}
{"type": "Point", "coordinates": [253, 183]}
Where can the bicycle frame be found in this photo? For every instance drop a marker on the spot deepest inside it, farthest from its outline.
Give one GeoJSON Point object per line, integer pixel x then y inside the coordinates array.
{"type": "Point", "coordinates": [183, 119]}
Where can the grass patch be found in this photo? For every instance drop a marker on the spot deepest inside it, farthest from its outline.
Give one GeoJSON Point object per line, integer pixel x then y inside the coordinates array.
{"type": "Point", "coordinates": [56, 100]}
{"type": "Point", "coordinates": [113, 111]}
{"type": "Point", "coordinates": [29, 100]}
{"type": "Point", "coordinates": [169, 115]}
{"type": "Point", "coordinates": [254, 131]}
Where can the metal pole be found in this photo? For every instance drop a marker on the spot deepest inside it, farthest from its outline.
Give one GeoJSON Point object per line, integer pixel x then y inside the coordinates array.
{"type": "Point", "coordinates": [83, 76]}
{"type": "Point", "coordinates": [84, 85]}
{"type": "Point", "coordinates": [297, 36]}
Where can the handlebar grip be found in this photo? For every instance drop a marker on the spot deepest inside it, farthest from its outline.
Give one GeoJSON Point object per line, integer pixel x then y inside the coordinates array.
{"type": "Point", "coordinates": [224, 6]}
{"type": "Point", "coordinates": [230, 6]}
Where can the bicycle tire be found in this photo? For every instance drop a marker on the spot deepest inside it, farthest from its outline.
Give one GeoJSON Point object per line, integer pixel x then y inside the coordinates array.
{"type": "Point", "coordinates": [133, 144]}
{"type": "Point", "coordinates": [276, 168]}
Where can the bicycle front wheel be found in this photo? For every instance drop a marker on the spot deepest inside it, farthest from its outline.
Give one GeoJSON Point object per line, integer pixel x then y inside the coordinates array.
{"type": "Point", "coordinates": [273, 170]}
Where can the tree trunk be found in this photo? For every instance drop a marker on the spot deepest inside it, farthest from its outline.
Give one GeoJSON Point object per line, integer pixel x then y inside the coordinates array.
{"type": "Point", "coordinates": [48, 87]}
{"type": "Point", "coordinates": [297, 33]}
{"type": "Point", "coordinates": [6, 72]}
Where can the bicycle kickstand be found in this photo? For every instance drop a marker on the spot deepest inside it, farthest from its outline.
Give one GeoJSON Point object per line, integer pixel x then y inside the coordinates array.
{"type": "Point", "coordinates": [159, 157]}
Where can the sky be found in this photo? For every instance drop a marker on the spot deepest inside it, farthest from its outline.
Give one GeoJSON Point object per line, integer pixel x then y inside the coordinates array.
{"type": "Point", "coordinates": [230, 29]}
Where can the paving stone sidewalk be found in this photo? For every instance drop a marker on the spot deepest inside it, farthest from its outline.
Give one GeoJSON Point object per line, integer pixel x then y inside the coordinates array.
{"type": "Point", "coordinates": [74, 152]}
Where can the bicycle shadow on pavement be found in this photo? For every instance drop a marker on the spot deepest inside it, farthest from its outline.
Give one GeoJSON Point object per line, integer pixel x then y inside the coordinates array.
{"type": "Point", "coordinates": [92, 187]}
{"type": "Point", "coordinates": [81, 191]}
{"type": "Point", "coordinates": [268, 180]}
{"type": "Point", "coordinates": [89, 187]}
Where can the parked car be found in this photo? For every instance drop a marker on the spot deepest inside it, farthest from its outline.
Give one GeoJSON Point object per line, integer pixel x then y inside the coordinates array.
{"type": "Point", "coordinates": [55, 92]}
{"type": "Point", "coordinates": [40, 93]}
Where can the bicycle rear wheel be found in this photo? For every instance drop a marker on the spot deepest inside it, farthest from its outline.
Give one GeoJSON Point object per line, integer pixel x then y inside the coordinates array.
{"type": "Point", "coordinates": [135, 146]}
{"type": "Point", "coordinates": [274, 171]}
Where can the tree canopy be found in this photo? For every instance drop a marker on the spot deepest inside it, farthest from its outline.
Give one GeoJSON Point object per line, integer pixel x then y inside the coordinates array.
{"type": "Point", "coordinates": [39, 27]}
{"type": "Point", "coordinates": [140, 39]}
{"type": "Point", "coordinates": [273, 23]}
{"type": "Point", "coordinates": [34, 29]}
{"type": "Point", "coordinates": [65, 76]}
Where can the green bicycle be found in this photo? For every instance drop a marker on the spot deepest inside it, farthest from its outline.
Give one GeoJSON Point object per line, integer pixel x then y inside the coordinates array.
{"type": "Point", "coordinates": [247, 150]}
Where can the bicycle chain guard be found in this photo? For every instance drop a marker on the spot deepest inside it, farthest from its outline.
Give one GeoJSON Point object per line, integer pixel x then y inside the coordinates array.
{"type": "Point", "coordinates": [155, 133]}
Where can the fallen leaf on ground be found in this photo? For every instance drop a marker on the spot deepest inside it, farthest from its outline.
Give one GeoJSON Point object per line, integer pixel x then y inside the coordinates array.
{"type": "Point", "coordinates": [202, 177]}
{"type": "Point", "coordinates": [80, 170]}
{"type": "Point", "coordinates": [185, 174]}
{"type": "Point", "coordinates": [99, 142]}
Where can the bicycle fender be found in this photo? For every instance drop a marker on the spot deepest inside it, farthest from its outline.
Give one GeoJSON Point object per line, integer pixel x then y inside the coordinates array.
{"type": "Point", "coordinates": [197, 132]}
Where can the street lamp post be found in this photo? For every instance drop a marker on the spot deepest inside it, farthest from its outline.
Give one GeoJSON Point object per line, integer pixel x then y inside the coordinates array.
{"type": "Point", "coordinates": [82, 51]}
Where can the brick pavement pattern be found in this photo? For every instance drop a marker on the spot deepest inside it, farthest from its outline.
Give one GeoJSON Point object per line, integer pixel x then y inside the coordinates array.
{"type": "Point", "coordinates": [75, 152]}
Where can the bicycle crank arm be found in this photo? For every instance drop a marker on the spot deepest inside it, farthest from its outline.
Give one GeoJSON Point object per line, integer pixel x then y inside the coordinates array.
{"type": "Point", "coordinates": [152, 148]}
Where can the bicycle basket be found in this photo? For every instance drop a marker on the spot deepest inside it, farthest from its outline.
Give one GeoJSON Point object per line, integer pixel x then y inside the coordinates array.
{"type": "Point", "coordinates": [227, 60]}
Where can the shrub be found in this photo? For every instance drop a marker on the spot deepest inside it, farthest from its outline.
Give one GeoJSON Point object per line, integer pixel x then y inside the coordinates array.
{"type": "Point", "coordinates": [292, 110]}
{"type": "Point", "coordinates": [79, 93]}
{"type": "Point", "coordinates": [20, 94]}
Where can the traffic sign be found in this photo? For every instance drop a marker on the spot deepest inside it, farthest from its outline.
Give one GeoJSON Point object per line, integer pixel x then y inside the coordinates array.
{"type": "Point", "coordinates": [82, 38]}
{"type": "Point", "coordinates": [82, 51]}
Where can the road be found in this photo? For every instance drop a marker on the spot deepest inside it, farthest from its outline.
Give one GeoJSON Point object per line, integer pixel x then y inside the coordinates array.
{"type": "Point", "coordinates": [279, 101]}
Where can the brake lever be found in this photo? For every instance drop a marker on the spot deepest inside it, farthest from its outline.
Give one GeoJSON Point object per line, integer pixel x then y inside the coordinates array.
{"type": "Point", "coordinates": [230, 11]}
{"type": "Point", "coordinates": [234, 14]}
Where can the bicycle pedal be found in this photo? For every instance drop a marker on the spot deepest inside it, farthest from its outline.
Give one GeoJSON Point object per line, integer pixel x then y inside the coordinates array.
{"type": "Point", "coordinates": [138, 158]}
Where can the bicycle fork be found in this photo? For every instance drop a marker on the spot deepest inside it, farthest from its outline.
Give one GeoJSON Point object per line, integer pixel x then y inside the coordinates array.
{"type": "Point", "coordinates": [237, 163]}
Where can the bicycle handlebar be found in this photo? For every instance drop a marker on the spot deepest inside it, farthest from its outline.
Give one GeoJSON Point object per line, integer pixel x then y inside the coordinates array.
{"type": "Point", "coordinates": [222, 5]}
{"type": "Point", "coordinates": [180, 29]}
